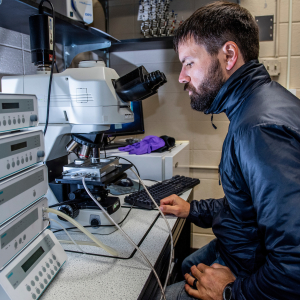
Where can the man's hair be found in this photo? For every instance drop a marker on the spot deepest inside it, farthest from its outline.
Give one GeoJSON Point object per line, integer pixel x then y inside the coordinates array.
{"type": "Point", "coordinates": [215, 24]}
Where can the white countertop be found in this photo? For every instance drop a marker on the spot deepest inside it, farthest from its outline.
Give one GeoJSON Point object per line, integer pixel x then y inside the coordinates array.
{"type": "Point", "coordinates": [94, 277]}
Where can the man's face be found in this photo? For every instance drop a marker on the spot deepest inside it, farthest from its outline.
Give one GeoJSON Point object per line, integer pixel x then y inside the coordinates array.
{"type": "Point", "coordinates": [201, 73]}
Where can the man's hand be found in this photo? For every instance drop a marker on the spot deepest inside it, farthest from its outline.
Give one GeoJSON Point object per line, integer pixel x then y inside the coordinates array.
{"type": "Point", "coordinates": [175, 205]}
{"type": "Point", "coordinates": [211, 281]}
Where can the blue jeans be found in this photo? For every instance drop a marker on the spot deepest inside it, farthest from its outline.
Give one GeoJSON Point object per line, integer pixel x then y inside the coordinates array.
{"type": "Point", "coordinates": [207, 255]}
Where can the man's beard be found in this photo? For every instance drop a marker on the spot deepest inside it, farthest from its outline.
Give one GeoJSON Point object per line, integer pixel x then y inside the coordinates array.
{"type": "Point", "coordinates": [204, 95]}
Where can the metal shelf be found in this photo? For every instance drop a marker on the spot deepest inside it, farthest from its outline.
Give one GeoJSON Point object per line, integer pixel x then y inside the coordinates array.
{"type": "Point", "coordinates": [14, 15]}
{"type": "Point", "coordinates": [143, 44]}
{"type": "Point", "coordinates": [73, 35]}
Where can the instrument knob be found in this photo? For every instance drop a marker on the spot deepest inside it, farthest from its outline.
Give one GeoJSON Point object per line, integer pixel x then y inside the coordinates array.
{"type": "Point", "coordinates": [33, 118]}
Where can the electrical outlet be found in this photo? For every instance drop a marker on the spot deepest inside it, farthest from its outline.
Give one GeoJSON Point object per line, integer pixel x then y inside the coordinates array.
{"type": "Point", "coordinates": [272, 65]}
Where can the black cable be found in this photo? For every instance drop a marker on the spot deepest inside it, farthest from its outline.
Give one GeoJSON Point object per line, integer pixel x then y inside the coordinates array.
{"type": "Point", "coordinates": [112, 139]}
{"type": "Point", "coordinates": [120, 157]}
{"type": "Point", "coordinates": [56, 67]}
{"type": "Point", "coordinates": [53, 59]}
{"type": "Point", "coordinates": [104, 150]}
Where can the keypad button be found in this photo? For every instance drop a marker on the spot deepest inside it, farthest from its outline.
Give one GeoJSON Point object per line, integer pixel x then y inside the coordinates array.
{"type": "Point", "coordinates": [8, 166]}
{"type": "Point", "coordinates": [24, 237]}
{"type": "Point", "coordinates": [4, 122]}
{"type": "Point", "coordinates": [58, 264]}
{"type": "Point", "coordinates": [44, 269]}
{"type": "Point", "coordinates": [34, 296]}
{"type": "Point", "coordinates": [20, 241]}
{"type": "Point", "coordinates": [34, 193]}
{"type": "Point", "coordinates": [42, 286]}
{"type": "Point", "coordinates": [23, 120]}
{"type": "Point", "coordinates": [22, 161]}
{"type": "Point", "coordinates": [13, 164]}
{"type": "Point", "coordinates": [40, 273]}
{"type": "Point", "coordinates": [52, 272]}
{"type": "Point", "coordinates": [55, 268]}
{"type": "Point", "coordinates": [36, 278]}
{"type": "Point", "coordinates": [26, 159]}
{"type": "Point", "coordinates": [30, 157]}
{"type": "Point", "coordinates": [18, 162]}
{"type": "Point", "coordinates": [51, 261]}
{"type": "Point", "coordinates": [38, 291]}
{"type": "Point", "coordinates": [9, 122]}
{"type": "Point", "coordinates": [49, 277]}
{"type": "Point", "coordinates": [16, 245]}
{"type": "Point", "coordinates": [47, 265]}
{"type": "Point", "coordinates": [45, 281]}
{"type": "Point", "coordinates": [19, 121]}
{"type": "Point", "coordinates": [28, 288]}
{"type": "Point", "coordinates": [54, 257]}
{"type": "Point", "coordinates": [14, 121]}
{"type": "Point", "coordinates": [32, 283]}
{"type": "Point", "coordinates": [0, 123]}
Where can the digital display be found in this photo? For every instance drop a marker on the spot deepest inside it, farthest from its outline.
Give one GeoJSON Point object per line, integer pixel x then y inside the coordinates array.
{"type": "Point", "coordinates": [18, 146]}
{"type": "Point", "coordinates": [32, 259]}
{"type": "Point", "coordinates": [10, 105]}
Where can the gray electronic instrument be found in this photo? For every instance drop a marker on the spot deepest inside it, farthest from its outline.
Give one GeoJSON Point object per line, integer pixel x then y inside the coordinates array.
{"type": "Point", "coordinates": [20, 231]}
{"type": "Point", "coordinates": [21, 190]}
{"type": "Point", "coordinates": [17, 111]}
{"type": "Point", "coordinates": [20, 151]}
{"type": "Point", "coordinates": [29, 274]}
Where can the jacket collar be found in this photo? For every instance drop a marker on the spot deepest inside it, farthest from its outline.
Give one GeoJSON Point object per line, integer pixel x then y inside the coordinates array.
{"type": "Point", "coordinates": [238, 87]}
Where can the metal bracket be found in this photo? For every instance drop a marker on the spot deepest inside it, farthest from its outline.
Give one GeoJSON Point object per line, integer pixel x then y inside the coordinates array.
{"type": "Point", "coordinates": [266, 27]}
{"type": "Point", "coordinates": [71, 51]}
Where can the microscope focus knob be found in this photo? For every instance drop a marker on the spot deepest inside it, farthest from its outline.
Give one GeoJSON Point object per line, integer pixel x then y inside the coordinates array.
{"type": "Point", "coordinates": [33, 118]}
{"type": "Point", "coordinates": [70, 210]}
{"type": "Point", "coordinates": [95, 223]}
{"type": "Point", "coordinates": [40, 153]}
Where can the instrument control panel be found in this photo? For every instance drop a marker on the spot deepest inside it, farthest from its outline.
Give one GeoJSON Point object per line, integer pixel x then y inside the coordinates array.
{"type": "Point", "coordinates": [20, 151]}
{"type": "Point", "coordinates": [21, 190]}
{"type": "Point", "coordinates": [29, 274]}
{"type": "Point", "coordinates": [20, 231]}
{"type": "Point", "coordinates": [17, 112]}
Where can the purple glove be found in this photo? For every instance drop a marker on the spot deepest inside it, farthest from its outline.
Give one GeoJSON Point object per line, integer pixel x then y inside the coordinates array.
{"type": "Point", "coordinates": [147, 145]}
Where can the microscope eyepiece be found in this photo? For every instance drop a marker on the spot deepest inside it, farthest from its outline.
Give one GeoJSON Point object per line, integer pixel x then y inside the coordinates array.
{"type": "Point", "coordinates": [155, 79]}
{"type": "Point", "coordinates": [139, 84]}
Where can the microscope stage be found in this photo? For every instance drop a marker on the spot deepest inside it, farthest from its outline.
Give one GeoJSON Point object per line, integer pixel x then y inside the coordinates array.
{"type": "Point", "coordinates": [96, 171]}
{"type": "Point", "coordinates": [97, 181]}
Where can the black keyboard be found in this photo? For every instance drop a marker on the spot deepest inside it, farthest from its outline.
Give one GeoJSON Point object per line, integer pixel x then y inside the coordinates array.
{"type": "Point", "coordinates": [176, 185]}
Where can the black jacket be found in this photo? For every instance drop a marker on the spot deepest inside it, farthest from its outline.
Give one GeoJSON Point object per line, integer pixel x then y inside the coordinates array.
{"type": "Point", "coordinates": [257, 223]}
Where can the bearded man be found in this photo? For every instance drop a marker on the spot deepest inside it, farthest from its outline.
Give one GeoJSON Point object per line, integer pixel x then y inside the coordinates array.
{"type": "Point", "coordinates": [256, 254]}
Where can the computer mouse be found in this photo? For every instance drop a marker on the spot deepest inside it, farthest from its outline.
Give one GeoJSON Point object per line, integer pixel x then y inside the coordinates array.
{"type": "Point", "coordinates": [124, 182]}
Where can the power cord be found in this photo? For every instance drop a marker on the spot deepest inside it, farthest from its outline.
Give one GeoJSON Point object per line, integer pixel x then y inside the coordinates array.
{"type": "Point", "coordinates": [125, 234]}
{"type": "Point", "coordinates": [168, 225]}
{"type": "Point", "coordinates": [64, 229]}
{"type": "Point", "coordinates": [53, 59]}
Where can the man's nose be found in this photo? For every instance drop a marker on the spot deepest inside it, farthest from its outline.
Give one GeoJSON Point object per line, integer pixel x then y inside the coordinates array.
{"type": "Point", "coordinates": [183, 77]}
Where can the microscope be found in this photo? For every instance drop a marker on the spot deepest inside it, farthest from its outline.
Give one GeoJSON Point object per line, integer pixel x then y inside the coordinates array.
{"type": "Point", "coordinates": [84, 102]}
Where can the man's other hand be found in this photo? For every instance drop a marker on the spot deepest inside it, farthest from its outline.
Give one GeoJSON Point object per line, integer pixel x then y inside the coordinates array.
{"type": "Point", "coordinates": [175, 205]}
{"type": "Point", "coordinates": [211, 281]}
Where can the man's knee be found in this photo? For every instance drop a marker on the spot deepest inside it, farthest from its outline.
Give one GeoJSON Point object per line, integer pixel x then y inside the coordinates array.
{"type": "Point", "coordinates": [186, 265]}
{"type": "Point", "coordinates": [206, 255]}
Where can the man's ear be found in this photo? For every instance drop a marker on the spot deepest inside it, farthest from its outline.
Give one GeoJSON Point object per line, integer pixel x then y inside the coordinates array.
{"type": "Point", "coordinates": [231, 54]}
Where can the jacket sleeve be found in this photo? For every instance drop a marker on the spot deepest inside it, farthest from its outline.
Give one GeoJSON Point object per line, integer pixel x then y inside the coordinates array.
{"type": "Point", "coordinates": [269, 159]}
{"type": "Point", "coordinates": [203, 211]}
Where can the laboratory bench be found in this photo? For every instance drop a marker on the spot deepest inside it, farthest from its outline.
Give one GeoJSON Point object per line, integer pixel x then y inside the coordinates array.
{"type": "Point", "coordinates": [86, 276]}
